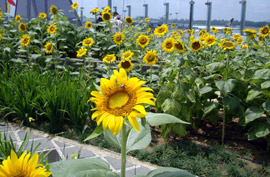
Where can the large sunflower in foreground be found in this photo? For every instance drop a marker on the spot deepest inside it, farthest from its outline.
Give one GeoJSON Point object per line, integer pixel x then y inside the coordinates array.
{"type": "Point", "coordinates": [120, 98]}
{"type": "Point", "coordinates": [106, 16]}
{"type": "Point", "coordinates": [126, 64]}
{"type": "Point", "coordinates": [109, 58]}
{"type": "Point", "coordinates": [180, 47]}
{"type": "Point", "coordinates": [88, 25]}
{"type": "Point", "coordinates": [143, 41]}
{"type": "Point", "coordinates": [168, 45]}
{"type": "Point", "coordinates": [150, 57]}
{"type": "Point", "coordinates": [22, 27]}
{"type": "Point", "coordinates": [24, 166]}
{"type": "Point", "coordinates": [118, 38]}
{"type": "Point", "coordinates": [161, 30]}
{"type": "Point", "coordinates": [196, 45]}
{"type": "Point", "coordinates": [129, 20]}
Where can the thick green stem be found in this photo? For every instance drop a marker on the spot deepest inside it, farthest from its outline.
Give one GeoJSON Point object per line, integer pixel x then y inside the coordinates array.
{"type": "Point", "coordinates": [151, 73]}
{"type": "Point", "coordinates": [123, 151]}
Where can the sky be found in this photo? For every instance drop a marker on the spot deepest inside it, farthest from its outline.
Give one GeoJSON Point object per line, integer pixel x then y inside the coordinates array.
{"type": "Point", "coordinates": [257, 10]}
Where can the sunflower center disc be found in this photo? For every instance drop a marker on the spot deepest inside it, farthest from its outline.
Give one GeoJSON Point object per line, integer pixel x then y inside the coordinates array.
{"type": "Point", "coordinates": [118, 100]}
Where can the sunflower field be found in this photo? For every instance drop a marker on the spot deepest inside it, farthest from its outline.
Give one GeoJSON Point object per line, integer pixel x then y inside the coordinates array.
{"type": "Point", "coordinates": [49, 66]}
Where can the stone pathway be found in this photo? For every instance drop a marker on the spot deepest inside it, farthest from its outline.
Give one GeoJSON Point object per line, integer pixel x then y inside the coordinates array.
{"type": "Point", "coordinates": [60, 148]}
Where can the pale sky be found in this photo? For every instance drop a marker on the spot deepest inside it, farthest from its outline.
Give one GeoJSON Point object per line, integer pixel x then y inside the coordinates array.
{"type": "Point", "coordinates": [257, 10]}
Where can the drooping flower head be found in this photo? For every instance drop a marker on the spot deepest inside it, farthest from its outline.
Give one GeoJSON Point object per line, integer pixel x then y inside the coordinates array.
{"type": "Point", "coordinates": [106, 9]}
{"type": "Point", "coordinates": [127, 54]}
{"type": "Point", "coordinates": [120, 98]}
{"type": "Point", "coordinates": [53, 10]}
{"type": "Point", "coordinates": [95, 10]}
{"type": "Point", "coordinates": [196, 45]}
{"type": "Point", "coordinates": [22, 27]}
{"type": "Point", "coordinates": [42, 15]}
{"type": "Point", "coordinates": [88, 42]}
{"type": "Point", "coordinates": [237, 36]}
{"type": "Point", "coordinates": [227, 45]}
{"type": "Point", "coordinates": [168, 45]}
{"type": "Point", "coordinates": [81, 52]}
{"type": "Point", "coordinates": [143, 41]}
{"type": "Point", "coordinates": [161, 30]}
{"type": "Point", "coordinates": [126, 64]}
{"type": "Point", "coordinates": [74, 5]}
{"type": "Point", "coordinates": [51, 29]}
{"type": "Point", "coordinates": [25, 40]}
{"type": "Point", "coordinates": [118, 38]}
{"type": "Point", "coordinates": [48, 47]}
{"type": "Point", "coordinates": [24, 166]}
{"type": "Point", "coordinates": [109, 58]}
{"type": "Point", "coordinates": [17, 18]}
{"type": "Point", "coordinates": [88, 25]}
{"type": "Point", "coordinates": [129, 20]}
{"type": "Point", "coordinates": [150, 57]}
{"type": "Point", "coordinates": [180, 47]}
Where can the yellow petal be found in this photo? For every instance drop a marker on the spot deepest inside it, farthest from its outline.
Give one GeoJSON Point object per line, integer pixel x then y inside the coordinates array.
{"type": "Point", "coordinates": [134, 123]}
{"type": "Point", "coordinates": [141, 109]}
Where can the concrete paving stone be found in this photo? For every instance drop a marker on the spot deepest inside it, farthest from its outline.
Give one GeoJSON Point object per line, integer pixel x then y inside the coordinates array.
{"type": "Point", "coordinates": [52, 155]}
{"type": "Point", "coordinates": [45, 144]}
{"type": "Point", "coordinates": [84, 153]}
{"type": "Point", "coordinates": [116, 163]}
{"type": "Point", "coordinates": [7, 135]}
{"type": "Point", "coordinates": [22, 134]}
{"type": "Point", "coordinates": [137, 171]}
{"type": "Point", "coordinates": [61, 144]}
{"type": "Point", "coordinates": [4, 128]}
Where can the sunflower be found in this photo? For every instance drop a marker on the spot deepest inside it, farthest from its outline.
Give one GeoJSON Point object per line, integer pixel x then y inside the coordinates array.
{"type": "Point", "coordinates": [109, 58]}
{"type": "Point", "coordinates": [106, 9]}
{"type": "Point", "coordinates": [189, 31]}
{"type": "Point", "coordinates": [181, 33]}
{"type": "Point", "coordinates": [81, 52]}
{"type": "Point", "coordinates": [202, 32]}
{"type": "Point", "coordinates": [210, 40]}
{"type": "Point", "coordinates": [168, 45]}
{"type": "Point", "coordinates": [129, 20]}
{"type": "Point", "coordinates": [106, 16]}
{"type": "Point", "coordinates": [48, 48]}
{"type": "Point", "coordinates": [127, 54]}
{"type": "Point", "coordinates": [126, 64]}
{"type": "Point", "coordinates": [261, 37]}
{"type": "Point", "coordinates": [120, 98]}
{"type": "Point", "coordinates": [264, 31]}
{"type": "Point", "coordinates": [51, 29]}
{"type": "Point", "coordinates": [204, 36]}
{"type": "Point", "coordinates": [42, 15]}
{"type": "Point", "coordinates": [0, 36]}
{"type": "Point", "coordinates": [191, 38]}
{"type": "Point", "coordinates": [161, 30]}
{"type": "Point", "coordinates": [227, 45]}
{"type": "Point", "coordinates": [236, 36]}
{"type": "Point", "coordinates": [214, 29]}
{"type": "Point", "coordinates": [152, 37]}
{"type": "Point", "coordinates": [175, 33]}
{"type": "Point", "coordinates": [74, 5]}
{"type": "Point", "coordinates": [88, 25]}
{"type": "Point", "coordinates": [143, 41]}
{"type": "Point", "coordinates": [17, 18]}
{"type": "Point", "coordinates": [22, 166]}
{"type": "Point", "coordinates": [118, 38]}
{"type": "Point", "coordinates": [179, 46]}
{"type": "Point", "coordinates": [148, 30]}
{"type": "Point", "coordinates": [196, 45]}
{"type": "Point", "coordinates": [95, 10]}
{"type": "Point", "coordinates": [173, 25]}
{"type": "Point", "coordinates": [239, 41]}
{"type": "Point", "coordinates": [88, 42]}
{"type": "Point", "coordinates": [22, 27]}
{"type": "Point", "coordinates": [244, 47]}
{"type": "Point", "coordinates": [0, 12]}
{"type": "Point", "coordinates": [25, 40]}
{"type": "Point", "coordinates": [150, 57]}
{"type": "Point", "coordinates": [54, 10]}
{"type": "Point", "coordinates": [146, 19]}
{"type": "Point", "coordinates": [250, 31]}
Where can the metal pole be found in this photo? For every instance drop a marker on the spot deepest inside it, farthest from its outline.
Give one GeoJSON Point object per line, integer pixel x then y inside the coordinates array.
{"type": "Point", "coordinates": [243, 15]}
{"type": "Point", "coordinates": [28, 9]}
{"type": "Point", "coordinates": [191, 14]}
{"type": "Point", "coordinates": [115, 8]}
{"type": "Point", "coordinates": [146, 10]}
{"type": "Point", "coordinates": [82, 14]}
{"type": "Point", "coordinates": [166, 12]}
{"type": "Point", "coordinates": [110, 3]}
{"type": "Point", "coordinates": [209, 11]}
{"type": "Point", "coordinates": [129, 10]}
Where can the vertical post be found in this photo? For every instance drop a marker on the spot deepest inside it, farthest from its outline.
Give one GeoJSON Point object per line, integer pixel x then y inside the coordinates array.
{"type": "Point", "coordinates": [145, 10]}
{"type": "Point", "coordinates": [115, 8]}
{"type": "Point", "coordinates": [82, 8]}
{"type": "Point", "coordinates": [110, 3]}
{"type": "Point", "coordinates": [191, 14]}
{"type": "Point", "coordinates": [28, 7]}
{"type": "Point", "coordinates": [176, 13]}
{"type": "Point", "coordinates": [243, 15]}
{"type": "Point", "coordinates": [129, 10]}
{"type": "Point", "coordinates": [166, 12]}
{"type": "Point", "coordinates": [46, 8]}
{"type": "Point", "coordinates": [209, 11]}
